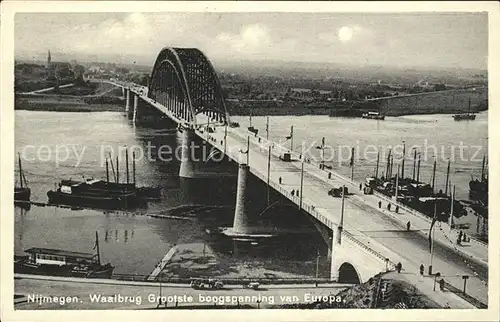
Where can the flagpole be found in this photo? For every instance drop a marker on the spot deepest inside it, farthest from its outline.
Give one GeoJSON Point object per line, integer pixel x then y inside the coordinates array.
{"type": "Point", "coordinates": [267, 128]}
{"type": "Point", "coordinates": [323, 153]}
{"type": "Point", "coordinates": [352, 164]}
{"type": "Point", "coordinates": [291, 139]}
{"type": "Point", "coordinates": [451, 211]}
{"type": "Point", "coordinates": [341, 224]}
{"type": "Point", "coordinates": [301, 184]}
{"type": "Point", "coordinates": [431, 239]}
{"type": "Point", "coordinates": [269, 175]}
{"type": "Point", "coordinates": [248, 150]}
{"type": "Point", "coordinates": [397, 185]}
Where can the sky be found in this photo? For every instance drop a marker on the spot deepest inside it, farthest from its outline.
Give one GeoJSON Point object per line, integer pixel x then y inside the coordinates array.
{"type": "Point", "coordinates": [456, 40]}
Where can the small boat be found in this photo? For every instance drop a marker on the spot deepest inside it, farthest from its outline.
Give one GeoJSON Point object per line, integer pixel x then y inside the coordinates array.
{"type": "Point", "coordinates": [57, 262]}
{"type": "Point", "coordinates": [465, 116]}
{"type": "Point", "coordinates": [22, 193]}
{"type": "Point", "coordinates": [373, 116]}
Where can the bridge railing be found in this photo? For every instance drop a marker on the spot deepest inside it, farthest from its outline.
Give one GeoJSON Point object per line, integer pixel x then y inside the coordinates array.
{"type": "Point", "coordinates": [450, 234]}
{"type": "Point", "coordinates": [308, 207]}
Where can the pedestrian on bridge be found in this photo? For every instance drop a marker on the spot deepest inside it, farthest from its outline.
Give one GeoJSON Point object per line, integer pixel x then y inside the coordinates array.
{"type": "Point", "coordinates": [399, 266]}
{"type": "Point", "coordinates": [408, 225]}
{"type": "Point", "coordinates": [293, 192]}
{"type": "Point", "coordinates": [279, 180]}
{"type": "Point", "coordinates": [389, 206]}
{"type": "Point", "coordinates": [360, 187]}
{"type": "Point", "coordinates": [422, 269]}
{"type": "Point", "coordinates": [297, 193]}
{"type": "Point", "coordinates": [379, 204]}
{"type": "Point", "coordinates": [397, 209]}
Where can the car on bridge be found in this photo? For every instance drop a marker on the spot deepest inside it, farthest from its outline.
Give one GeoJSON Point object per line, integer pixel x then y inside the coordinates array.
{"type": "Point", "coordinates": [337, 192]}
{"type": "Point", "coordinates": [199, 284]}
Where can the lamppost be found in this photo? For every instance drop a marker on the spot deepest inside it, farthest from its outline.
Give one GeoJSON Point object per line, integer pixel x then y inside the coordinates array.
{"type": "Point", "coordinates": [322, 148]}
{"type": "Point", "coordinates": [317, 266]}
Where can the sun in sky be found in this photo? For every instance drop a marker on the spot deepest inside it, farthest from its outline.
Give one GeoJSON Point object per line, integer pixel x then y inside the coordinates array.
{"type": "Point", "coordinates": [345, 34]}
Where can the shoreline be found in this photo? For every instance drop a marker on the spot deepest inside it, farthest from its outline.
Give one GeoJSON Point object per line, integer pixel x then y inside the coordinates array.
{"type": "Point", "coordinates": [72, 103]}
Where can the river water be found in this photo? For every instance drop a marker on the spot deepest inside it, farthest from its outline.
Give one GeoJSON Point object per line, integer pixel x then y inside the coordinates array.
{"type": "Point", "coordinates": [60, 145]}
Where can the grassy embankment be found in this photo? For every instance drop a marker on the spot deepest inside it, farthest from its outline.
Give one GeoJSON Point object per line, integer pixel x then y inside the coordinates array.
{"type": "Point", "coordinates": [443, 102]}
{"type": "Point", "coordinates": [91, 97]}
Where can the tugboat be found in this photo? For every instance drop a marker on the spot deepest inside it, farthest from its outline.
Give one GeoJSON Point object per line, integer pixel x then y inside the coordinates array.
{"type": "Point", "coordinates": [373, 116]}
{"type": "Point", "coordinates": [104, 193]}
{"type": "Point", "coordinates": [22, 193]}
{"type": "Point", "coordinates": [56, 262]}
{"type": "Point", "coordinates": [465, 116]}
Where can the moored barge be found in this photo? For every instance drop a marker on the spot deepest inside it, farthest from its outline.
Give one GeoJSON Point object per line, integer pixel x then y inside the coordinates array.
{"type": "Point", "coordinates": [57, 262]}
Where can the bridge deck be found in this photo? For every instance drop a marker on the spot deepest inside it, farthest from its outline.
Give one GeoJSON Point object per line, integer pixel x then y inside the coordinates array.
{"type": "Point", "coordinates": [382, 232]}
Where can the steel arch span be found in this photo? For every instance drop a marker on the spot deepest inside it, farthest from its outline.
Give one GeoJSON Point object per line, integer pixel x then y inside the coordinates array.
{"type": "Point", "coordinates": [184, 81]}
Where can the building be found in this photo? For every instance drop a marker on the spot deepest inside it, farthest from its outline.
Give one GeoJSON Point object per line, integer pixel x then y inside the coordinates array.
{"type": "Point", "coordinates": [58, 70]}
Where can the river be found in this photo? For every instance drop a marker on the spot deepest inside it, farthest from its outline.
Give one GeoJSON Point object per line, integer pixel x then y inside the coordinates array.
{"type": "Point", "coordinates": [63, 145]}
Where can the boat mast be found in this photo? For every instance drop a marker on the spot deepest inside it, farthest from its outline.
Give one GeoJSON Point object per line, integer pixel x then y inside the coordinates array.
{"type": "Point", "coordinates": [21, 170]}
{"type": "Point", "coordinates": [133, 167]}
{"type": "Point", "coordinates": [107, 171]}
{"type": "Point", "coordinates": [447, 178]}
{"type": "Point", "coordinates": [434, 174]}
{"type": "Point", "coordinates": [376, 169]}
{"type": "Point", "coordinates": [414, 163]}
{"type": "Point", "coordinates": [418, 169]}
{"type": "Point", "coordinates": [403, 162]}
{"type": "Point", "coordinates": [126, 164]}
{"type": "Point", "coordinates": [388, 164]}
{"type": "Point", "coordinates": [117, 171]}
{"type": "Point", "coordinates": [112, 166]}
{"type": "Point", "coordinates": [97, 248]}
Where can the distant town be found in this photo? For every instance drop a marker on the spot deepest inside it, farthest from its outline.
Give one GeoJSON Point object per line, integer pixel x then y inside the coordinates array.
{"type": "Point", "coordinates": [277, 88]}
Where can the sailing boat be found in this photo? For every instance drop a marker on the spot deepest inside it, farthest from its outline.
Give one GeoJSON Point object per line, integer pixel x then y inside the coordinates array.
{"type": "Point", "coordinates": [21, 192]}
{"type": "Point", "coordinates": [465, 116]}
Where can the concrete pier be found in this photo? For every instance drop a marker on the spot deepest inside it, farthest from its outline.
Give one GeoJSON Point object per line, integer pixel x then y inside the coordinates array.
{"type": "Point", "coordinates": [127, 102]}
{"type": "Point", "coordinates": [187, 169]}
{"type": "Point", "coordinates": [241, 222]}
{"type": "Point", "coordinates": [136, 108]}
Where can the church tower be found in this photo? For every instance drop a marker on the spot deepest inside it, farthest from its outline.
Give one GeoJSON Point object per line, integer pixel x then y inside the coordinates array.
{"type": "Point", "coordinates": [50, 69]}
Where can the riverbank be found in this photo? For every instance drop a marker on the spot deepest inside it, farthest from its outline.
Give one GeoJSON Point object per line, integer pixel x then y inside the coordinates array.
{"type": "Point", "coordinates": [61, 103]}
{"type": "Point", "coordinates": [444, 102]}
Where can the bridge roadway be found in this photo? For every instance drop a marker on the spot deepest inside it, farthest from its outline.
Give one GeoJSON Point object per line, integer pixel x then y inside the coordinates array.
{"type": "Point", "coordinates": [382, 232]}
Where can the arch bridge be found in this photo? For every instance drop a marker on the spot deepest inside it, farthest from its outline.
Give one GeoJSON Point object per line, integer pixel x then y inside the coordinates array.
{"type": "Point", "coordinates": [184, 88]}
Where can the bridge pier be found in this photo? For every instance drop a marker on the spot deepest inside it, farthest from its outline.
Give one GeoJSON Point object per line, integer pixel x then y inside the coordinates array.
{"type": "Point", "coordinates": [335, 245]}
{"type": "Point", "coordinates": [241, 222]}
{"type": "Point", "coordinates": [135, 107]}
{"type": "Point", "coordinates": [127, 102]}
{"type": "Point", "coordinates": [187, 169]}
